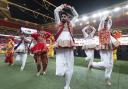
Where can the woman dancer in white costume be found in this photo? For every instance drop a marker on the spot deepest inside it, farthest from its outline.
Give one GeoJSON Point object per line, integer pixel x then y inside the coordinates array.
{"type": "Point", "coordinates": [89, 43]}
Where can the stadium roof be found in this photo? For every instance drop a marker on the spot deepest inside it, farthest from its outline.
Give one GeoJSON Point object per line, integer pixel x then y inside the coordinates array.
{"type": "Point", "coordinates": [41, 11]}
{"type": "Point", "coordinates": [23, 11]}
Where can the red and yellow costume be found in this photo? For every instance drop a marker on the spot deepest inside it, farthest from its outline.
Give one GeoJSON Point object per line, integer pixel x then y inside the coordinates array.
{"type": "Point", "coordinates": [116, 35]}
{"type": "Point", "coordinates": [51, 47]}
{"type": "Point", "coordinates": [40, 51]}
{"type": "Point", "coordinates": [9, 52]}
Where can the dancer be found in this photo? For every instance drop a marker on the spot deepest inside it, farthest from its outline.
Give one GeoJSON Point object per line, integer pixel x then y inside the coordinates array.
{"type": "Point", "coordinates": [106, 45]}
{"type": "Point", "coordinates": [21, 50]}
{"type": "Point", "coordinates": [9, 53]}
{"type": "Point", "coordinates": [64, 43]}
{"type": "Point", "coordinates": [51, 47]}
{"type": "Point", "coordinates": [40, 51]}
{"type": "Point", "coordinates": [89, 44]}
{"type": "Point", "coordinates": [117, 35]}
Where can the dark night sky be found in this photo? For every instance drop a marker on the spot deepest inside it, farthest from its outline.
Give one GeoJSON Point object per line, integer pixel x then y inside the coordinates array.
{"type": "Point", "coordinates": [85, 6]}
{"type": "Point", "coordinates": [82, 7]}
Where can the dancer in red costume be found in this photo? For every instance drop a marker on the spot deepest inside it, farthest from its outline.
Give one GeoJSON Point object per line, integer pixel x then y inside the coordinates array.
{"type": "Point", "coordinates": [40, 51]}
{"type": "Point", "coordinates": [117, 35]}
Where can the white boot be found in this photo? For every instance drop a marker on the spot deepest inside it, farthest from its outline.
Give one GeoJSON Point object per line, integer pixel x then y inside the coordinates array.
{"type": "Point", "coordinates": [38, 74]}
{"type": "Point", "coordinates": [90, 65]}
{"type": "Point", "coordinates": [44, 73]}
{"type": "Point", "coordinates": [66, 87]}
{"type": "Point", "coordinates": [87, 59]}
{"type": "Point", "coordinates": [22, 68]}
{"type": "Point", "coordinates": [108, 82]}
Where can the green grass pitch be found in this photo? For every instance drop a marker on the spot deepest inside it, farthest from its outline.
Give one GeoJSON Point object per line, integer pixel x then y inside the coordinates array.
{"type": "Point", "coordinates": [12, 78]}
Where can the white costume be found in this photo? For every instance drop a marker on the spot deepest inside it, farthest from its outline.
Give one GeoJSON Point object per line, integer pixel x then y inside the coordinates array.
{"type": "Point", "coordinates": [64, 51]}
{"type": "Point", "coordinates": [89, 43]}
{"type": "Point", "coordinates": [106, 50]}
{"type": "Point", "coordinates": [21, 52]}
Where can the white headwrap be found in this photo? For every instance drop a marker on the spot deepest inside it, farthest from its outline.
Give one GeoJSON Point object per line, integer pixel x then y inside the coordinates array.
{"type": "Point", "coordinates": [60, 8]}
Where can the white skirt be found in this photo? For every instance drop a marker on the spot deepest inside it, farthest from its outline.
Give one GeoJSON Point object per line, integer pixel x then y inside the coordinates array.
{"type": "Point", "coordinates": [64, 40]}
{"type": "Point", "coordinates": [114, 41]}
{"type": "Point", "coordinates": [112, 44]}
{"type": "Point", "coordinates": [89, 44]}
{"type": "Point", "coordinates": [64, 61]}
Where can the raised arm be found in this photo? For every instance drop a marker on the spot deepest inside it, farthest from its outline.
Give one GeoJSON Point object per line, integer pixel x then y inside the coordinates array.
{"type": "Point", "coordinates": [56, 13]}
{"type": "Point", "coordinates": [17, 38]}
{"type": "Point", "coordinates": [101, 25]}
{"type": "Point", "coordinates": [93, 31]}
{"type": "Point", "coordinates": [74, 13]}
{"type": "Point", "coordinates": [109, 24]}
{"type": "Point", "coordinates": [28, 39]}
{"type": "Point", "coordinates": [84, 32]}
{"type": "Point", "coordinates": [47, 35]}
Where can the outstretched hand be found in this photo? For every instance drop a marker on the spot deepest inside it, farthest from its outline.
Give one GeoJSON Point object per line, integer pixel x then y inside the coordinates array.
{"type": "Point", "coordinates": [67, 6]}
